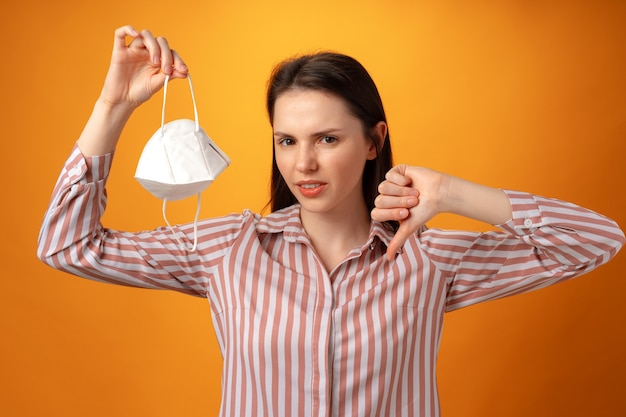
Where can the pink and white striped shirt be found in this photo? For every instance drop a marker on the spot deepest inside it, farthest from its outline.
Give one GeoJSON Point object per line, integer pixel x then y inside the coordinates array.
{"type": "Point", "coordinates": [298, 340]}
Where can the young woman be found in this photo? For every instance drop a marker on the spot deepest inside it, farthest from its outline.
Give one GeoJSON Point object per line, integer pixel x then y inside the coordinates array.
{"type": "Point", "coordinates": [332, 304]}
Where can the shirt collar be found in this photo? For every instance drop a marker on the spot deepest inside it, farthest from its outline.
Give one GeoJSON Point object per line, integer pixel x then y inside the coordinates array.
{"type": "Point", "coordinates": [287, 221]}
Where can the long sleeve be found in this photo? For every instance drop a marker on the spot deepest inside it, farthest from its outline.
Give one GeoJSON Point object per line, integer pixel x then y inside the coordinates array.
{"type": "Point", "coordinates": [299, 340]}
{"type": "Point", "coordinates": [545, 242]}
{"type": "Point", "coordinates": [72, 238]}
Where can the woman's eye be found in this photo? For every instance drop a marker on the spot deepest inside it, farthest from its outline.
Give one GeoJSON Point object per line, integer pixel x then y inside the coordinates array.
{"type": "Point", "coordinates": [329, 139]}
{"type": "Point", "coordinates": [286, 141]}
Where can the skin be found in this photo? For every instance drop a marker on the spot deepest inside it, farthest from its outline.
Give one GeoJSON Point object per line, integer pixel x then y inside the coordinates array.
{"type": "Point", "coordinates": [320, 145]}
{"type": "Point", "coordinates": [336, 222]}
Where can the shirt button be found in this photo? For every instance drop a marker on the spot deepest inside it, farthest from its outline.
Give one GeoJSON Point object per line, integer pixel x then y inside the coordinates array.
{"type": "Point", "coordinates": [528, 223]}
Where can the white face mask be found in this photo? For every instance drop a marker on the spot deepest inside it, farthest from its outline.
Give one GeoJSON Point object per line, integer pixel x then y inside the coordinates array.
{"type": "Point", "coordinates": [180, 160]}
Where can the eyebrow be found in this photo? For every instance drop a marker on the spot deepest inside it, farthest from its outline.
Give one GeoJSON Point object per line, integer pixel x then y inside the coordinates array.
{"type": "Point", "coordinates": [324, 132]}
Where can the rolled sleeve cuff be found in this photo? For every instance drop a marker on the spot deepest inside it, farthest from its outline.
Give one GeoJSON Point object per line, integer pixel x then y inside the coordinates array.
{"type": "Point", "coordinates": [526, 213]}
{"type": "Point", "coordinates": [87, 168]}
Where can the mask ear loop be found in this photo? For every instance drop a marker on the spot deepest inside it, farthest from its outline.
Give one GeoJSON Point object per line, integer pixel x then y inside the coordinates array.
{"type": "Point", "coordinates": [195, 226]}
{"type": "Point", "coordinates": [195, 113]}
{"type": "Point", "coordinates": [193, 100]}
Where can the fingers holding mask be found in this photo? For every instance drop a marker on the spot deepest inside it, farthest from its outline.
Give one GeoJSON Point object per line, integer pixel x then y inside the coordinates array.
{"type": "Point", "coordinates": [120, 36]}
{"type": "Point", "coordinates": [179, 68]}
{"type": "Point", "coordinates": [160, 54]}
{"type": "Point", "coordinates": [139, 65]}
{"type": "Point", "coordinates": [164, 55]}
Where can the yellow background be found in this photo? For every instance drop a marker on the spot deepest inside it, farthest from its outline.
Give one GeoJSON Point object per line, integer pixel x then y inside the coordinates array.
{"type": "Point", "coordinates": [526, 95]}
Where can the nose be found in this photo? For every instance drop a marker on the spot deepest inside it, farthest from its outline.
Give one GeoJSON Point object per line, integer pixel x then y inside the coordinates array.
{"type": "Point", "coordinates": [306, 159]}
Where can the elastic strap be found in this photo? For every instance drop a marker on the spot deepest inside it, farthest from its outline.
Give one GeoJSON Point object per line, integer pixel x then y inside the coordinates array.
{"type": "Point", "coordinates": [195, 113]}
{"type": "Point", "coordinates": [195, 226]}
{"type": "Point", "coordinates": [193, 99]}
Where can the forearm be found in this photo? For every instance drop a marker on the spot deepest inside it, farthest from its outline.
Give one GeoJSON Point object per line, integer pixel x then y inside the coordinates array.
{"type": "Point", "coordinates": [103, 129]}
{"type": "Point", "coordinates": [475, 201]}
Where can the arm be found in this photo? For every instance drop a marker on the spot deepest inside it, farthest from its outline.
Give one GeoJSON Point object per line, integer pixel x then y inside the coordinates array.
{"type": "Point", "coordinates": [414, 195]}
{"type": "Point", "coordinates": [542, 241]}
{"type": "Point", "coordinates": [546, 241]}
{"type": "Point", "coordinates": [72, 239]}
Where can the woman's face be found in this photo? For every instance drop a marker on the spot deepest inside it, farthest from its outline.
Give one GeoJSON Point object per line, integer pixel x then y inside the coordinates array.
{"type": "Point", "coordinates": [321, 150]}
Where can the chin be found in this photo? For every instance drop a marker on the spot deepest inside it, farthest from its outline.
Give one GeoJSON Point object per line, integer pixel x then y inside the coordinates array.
{"type": "Point", "coordinates": [314, 206]}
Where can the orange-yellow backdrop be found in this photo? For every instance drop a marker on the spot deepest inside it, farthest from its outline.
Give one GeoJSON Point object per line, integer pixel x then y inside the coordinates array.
{"type": "Point", "coordinates": [520, 94]}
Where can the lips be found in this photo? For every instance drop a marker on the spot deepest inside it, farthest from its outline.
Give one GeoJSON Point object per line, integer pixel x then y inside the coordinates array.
{"type": "Point", "coordinates": [311, 188]}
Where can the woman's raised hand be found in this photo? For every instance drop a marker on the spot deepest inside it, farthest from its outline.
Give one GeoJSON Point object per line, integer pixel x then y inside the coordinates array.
{"type": "Point", "coordinates": [137, 71]}
{"type": "Point", "coordinates": [138, 68]}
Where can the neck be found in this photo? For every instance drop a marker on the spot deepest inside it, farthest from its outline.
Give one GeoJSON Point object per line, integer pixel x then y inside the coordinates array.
{"type": "Point", "coordinates": [334, 235]}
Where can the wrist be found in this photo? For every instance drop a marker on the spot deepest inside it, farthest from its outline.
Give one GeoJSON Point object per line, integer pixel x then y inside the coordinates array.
{"type": "Point", "coordinates": [453, 195]}
{"type": "Point", "coordinates": [476, 201]}
{"type": "Point", "coordinates": [113, 111]}
{"type": "Point", "coordinates": [104, 127]}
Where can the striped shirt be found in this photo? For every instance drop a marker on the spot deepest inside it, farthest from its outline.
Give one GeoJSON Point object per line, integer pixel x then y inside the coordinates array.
{"type": "Point", "coordinates": [298, 340]}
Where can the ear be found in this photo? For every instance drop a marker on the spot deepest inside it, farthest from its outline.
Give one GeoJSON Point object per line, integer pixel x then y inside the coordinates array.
{"type": "Point", "coordinates": [379, 133]}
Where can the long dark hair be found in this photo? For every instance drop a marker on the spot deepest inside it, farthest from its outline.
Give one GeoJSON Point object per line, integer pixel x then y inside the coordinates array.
{"type": "Point", "coordinates": [347, 79]}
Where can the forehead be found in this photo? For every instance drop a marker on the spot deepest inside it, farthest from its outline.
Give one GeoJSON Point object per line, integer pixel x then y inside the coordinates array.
{"type": "Point", "coordinates": [300, 108]}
